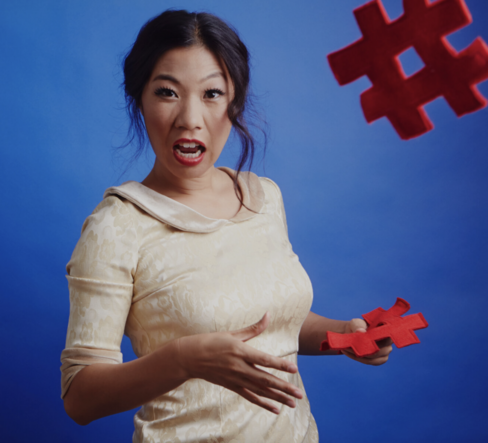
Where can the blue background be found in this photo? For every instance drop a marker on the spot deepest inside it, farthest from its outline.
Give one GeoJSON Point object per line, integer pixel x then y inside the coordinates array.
{"type": "Point", "coordinates": [370, 216]}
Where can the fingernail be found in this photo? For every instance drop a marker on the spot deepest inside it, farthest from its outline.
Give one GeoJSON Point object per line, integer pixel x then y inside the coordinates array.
{"type": "Point", "coordinates": [297, 393]}
{"type": "Point", "coordinates": [290, 403]}
{"type": "Point", "coordinates": [292, 368]}
{"type": "Point", "coordinates": [276, 410]}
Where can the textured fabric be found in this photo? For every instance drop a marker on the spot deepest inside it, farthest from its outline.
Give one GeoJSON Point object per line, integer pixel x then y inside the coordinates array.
{"type": "Point", "coordinates": [157, 270]}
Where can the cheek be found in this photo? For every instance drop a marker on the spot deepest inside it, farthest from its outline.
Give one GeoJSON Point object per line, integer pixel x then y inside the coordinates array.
{"type": "Point", "coordinates": [157, 120]}
{"type": "Point", "coordinates": [222, 126]}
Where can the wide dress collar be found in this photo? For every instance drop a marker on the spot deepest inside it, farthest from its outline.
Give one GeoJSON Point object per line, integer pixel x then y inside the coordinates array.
{"type": "Point", "coordinates": [182, 217]}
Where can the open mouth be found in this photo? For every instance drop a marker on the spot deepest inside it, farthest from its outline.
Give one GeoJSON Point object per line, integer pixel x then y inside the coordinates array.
{"type": "Point", "coordinates": [189, 150]}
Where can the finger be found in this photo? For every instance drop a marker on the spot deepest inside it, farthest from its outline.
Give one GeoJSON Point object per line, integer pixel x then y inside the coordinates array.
{"type": "Point", "coordinates": [385, 342]}
{"type": "Point", "coordinates": [263, 384]}
{"type": "Point", "coordinates": [251, 377]}
{"type": "Point", "coordinates": [384, 350]}
{"type": "Point", "coordinates": [267, 392]}
{"type": "Point", "coordinates": [267, 380]}
{"type": "Point", "coordinates": [251, 331]}
{"type": "Point", "coordinates": [378, 354]}
{"type": "Point", "coordinates": [256, 357]}
{"type": "Point", "coordinates": [371, 360]}
{"type": "Point", "coordinates": [257, 400]}
{"type": "Point", "coordinates": [376, 361]}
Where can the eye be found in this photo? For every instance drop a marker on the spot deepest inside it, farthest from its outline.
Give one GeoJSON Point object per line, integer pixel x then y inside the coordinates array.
{"type": "Point", "coordinates": [165, 92]}
{"type": "Point", "coordinates": [213, 93]}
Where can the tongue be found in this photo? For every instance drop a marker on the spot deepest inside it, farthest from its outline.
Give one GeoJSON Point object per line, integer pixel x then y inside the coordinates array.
{"type": "Point", "coordinates": [187, 150]}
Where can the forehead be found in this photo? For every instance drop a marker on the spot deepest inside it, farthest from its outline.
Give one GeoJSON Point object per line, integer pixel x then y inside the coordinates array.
{"type": "Point", "coordinates": [194, 62]}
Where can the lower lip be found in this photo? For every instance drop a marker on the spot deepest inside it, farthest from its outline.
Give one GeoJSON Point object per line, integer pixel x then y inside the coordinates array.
{"type": "Point", "coordinates": [188, 161]}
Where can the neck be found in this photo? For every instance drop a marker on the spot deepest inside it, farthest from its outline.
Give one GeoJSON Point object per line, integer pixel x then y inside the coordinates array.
{"type": "Point", "coordinates": [173, 186]}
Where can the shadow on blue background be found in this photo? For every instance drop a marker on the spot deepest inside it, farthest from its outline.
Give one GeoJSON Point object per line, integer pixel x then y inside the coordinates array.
{"type": "Point", "coordinates": [370, 216]}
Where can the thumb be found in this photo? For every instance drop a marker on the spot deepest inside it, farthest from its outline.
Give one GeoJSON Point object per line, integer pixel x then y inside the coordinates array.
{"type": "Point", "coordinates": [251, 331]}
{"type": "Point", "coordinates": [357, 325]}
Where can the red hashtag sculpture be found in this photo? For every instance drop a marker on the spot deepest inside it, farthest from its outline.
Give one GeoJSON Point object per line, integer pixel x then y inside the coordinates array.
{"type": "Point", "coordinates": [381, 324]}
{"type": "Point", "coordinates": [446, 73]}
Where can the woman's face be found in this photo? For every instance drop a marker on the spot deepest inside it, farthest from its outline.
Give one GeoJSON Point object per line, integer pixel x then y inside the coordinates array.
{"type": "Point", "coordinates": [184, 105]}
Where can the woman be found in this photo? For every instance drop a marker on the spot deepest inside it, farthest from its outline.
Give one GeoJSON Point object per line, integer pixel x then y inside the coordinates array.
{"type": "Point", "coordinates": [194, 265]}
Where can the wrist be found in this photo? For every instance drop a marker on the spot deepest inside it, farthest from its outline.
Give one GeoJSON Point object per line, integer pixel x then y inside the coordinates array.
{"type": "Point", "coordinates": [180, 357]}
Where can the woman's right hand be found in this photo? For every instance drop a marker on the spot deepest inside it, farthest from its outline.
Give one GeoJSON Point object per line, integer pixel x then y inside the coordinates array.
{"type": "Point", "coordinates": [223, 358]}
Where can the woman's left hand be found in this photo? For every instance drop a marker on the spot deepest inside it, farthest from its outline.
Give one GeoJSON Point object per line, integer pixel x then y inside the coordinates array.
{"type": "Point", "coordinates": [381, 357]}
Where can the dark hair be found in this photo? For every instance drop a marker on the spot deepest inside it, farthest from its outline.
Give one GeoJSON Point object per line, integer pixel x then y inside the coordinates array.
{"type": "Point", "coordinates": [177, 29]}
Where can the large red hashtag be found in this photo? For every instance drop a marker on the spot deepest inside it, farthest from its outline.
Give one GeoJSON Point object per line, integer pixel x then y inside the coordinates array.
{"type": "Point", "coordinates": [446, 73]}
{"type": "Point", "coordinates": [381, 324]}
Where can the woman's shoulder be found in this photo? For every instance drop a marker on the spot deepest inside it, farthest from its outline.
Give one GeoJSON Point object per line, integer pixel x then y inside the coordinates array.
{"type": "Point", "coordinates": [274, 199]}
{"type": "Point", "coordinates": [269, 185]}
{"type": "Point", "coordinates": [112, 210]}
{"type": "Point", "coordinates": [108, 244]}
{"type": "Point", "coordinates": [271, 190]}
{"type": "Point", "coordinates": [113, 204]}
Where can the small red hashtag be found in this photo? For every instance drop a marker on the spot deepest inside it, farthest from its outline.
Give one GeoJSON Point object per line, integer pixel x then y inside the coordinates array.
{"type": "Point", "coordinates": [381, 324]}
{"type": "Point", "coordinates": [446, 73]}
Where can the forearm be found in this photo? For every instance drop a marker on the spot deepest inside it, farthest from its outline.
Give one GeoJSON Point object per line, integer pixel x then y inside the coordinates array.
{"type": "Point", "coordinates": [100, 390]}
{"type": "Point", "coordinates": [314, 331]}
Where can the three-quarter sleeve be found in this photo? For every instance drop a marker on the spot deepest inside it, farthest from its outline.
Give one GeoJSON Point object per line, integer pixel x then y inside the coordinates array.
{"type": "Point", "coordinates": [100, 280]}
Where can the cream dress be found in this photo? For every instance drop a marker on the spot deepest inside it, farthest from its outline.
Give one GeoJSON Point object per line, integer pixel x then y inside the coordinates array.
{"type": "Point", "coordinates": [155, 269]}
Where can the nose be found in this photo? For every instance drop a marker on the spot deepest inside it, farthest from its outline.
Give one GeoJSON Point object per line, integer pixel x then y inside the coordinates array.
{"type": "Point", "coordinates": [190, 115]}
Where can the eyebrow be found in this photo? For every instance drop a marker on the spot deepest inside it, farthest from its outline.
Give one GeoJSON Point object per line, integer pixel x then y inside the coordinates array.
{"type": "Point", "coordinates": [174, 80]}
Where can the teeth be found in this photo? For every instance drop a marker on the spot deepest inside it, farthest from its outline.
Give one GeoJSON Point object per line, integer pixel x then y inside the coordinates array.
{"type": "Point", "coordinates": [189, 145]}
{"type": "Point", "coordinates": [189, 154]}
